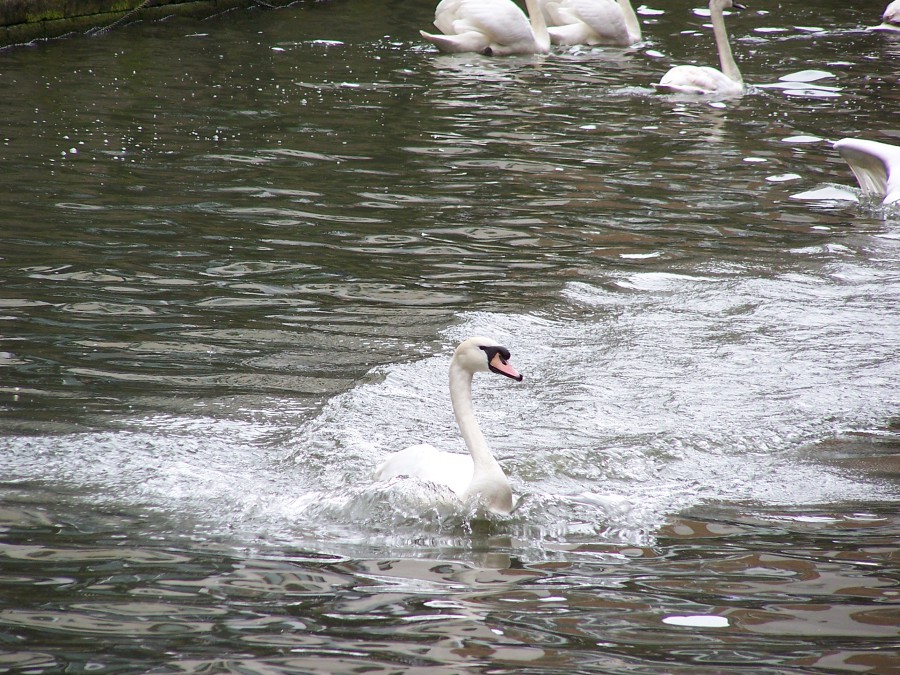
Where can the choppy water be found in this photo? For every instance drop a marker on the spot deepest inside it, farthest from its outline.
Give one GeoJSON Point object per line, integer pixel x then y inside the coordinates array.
{"type": "Point", "coordinates": [237, 255]}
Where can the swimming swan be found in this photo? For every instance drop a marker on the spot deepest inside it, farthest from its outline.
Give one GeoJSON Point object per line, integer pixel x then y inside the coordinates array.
{"type": "Point", "coordinates": [474, 475]}
{"type": "Point", "coordinates": [890, 20]}
{"type": "Point", "coordinates": [703, 79]}
{"type": "Point", "coordinates": [875, 165]}
{"type": "Point", "coordinates": [492, 27]}
{"type": "Point", "coordinates": [592, 22]}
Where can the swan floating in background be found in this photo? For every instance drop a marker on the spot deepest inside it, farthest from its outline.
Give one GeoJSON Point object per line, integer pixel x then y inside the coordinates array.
{"type": "Point", "coordinates": [890, 20]}
{"type": "Point", "coordinates": [492, 27]}
{"type": "Point", "coordinates": [704, 80]}
{"type": "Point", "coordinates": [476, 475]}
{"type": "Point", "coordinates": [591, 22]}
{"type": "Point", "coordinates": [875, 165]}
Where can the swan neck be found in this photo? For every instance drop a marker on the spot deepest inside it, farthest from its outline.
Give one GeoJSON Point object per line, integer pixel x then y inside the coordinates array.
{"type": "Point", "coordinates": [632, 24]}
{"type": "Point", "coordinates": [489, 482]}
{"type": "Point", "coordinates": [726, 58]}
{"type": "Point", "coordinates": [461, 399]}
{"type": "Point", "coordinates": [538, 25]}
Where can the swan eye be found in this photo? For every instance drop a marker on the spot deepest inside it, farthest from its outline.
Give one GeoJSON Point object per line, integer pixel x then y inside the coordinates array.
{"type": "Point", "coordinates": [492, 352]}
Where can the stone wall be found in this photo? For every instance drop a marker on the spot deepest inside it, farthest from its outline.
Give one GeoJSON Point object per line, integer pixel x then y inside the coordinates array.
{"type": "Point", "coordinates": [22, 21]}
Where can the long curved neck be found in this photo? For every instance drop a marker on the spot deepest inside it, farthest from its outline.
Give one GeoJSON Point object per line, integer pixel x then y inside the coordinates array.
{"type": "Point", "coordinates": [631, 20]}
{"type": "Point", "coordinates": [461, 398]}
{"type": "Point", "coordinates": [726, 59]}
{"type": "Point", "coordinates": [488, 480]}
{"type": "Point", "coordinates": [538, 24]}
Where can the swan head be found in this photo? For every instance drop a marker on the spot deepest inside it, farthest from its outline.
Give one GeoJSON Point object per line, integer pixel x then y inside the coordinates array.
{"type": "Point", "coordinates": [482, 354]}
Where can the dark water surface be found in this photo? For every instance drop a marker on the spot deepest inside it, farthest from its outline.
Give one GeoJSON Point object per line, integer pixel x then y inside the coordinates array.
{"type": "Point", "coordinates": [236, 256]}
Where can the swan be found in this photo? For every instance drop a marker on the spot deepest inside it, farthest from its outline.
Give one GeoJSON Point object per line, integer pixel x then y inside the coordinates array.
{"type": "Point", "coordinates": [492, 27]}
{"type": "Point", "coordinates": [477, 474]}
{"type": "Point", "coordinates": [890, 20]}
{"type": "Point", "coordinates": [875, 165]}
{"type": "Point", "coordinates": [703, 79]}
{"type": "Point", "coordinates": [592, 22]}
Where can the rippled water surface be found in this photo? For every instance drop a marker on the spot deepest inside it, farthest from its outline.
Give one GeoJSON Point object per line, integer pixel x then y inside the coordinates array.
{"type": "Point", "coordinates": [237, 255]}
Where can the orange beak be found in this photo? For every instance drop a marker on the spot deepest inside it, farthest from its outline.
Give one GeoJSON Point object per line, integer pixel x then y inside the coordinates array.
{"type": "Point", "coordinates": [498, 365]}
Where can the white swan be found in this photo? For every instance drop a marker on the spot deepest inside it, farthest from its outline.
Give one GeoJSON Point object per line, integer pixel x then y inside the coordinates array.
{"type": "Point", "coordinates": [890, 20]}
{"type": "Point", "coordinates": [492, 27]}
{"type": "Point", "coordinates": [477, 474]}
{"type": "Point", "coordinates": [591, 22]}
{"type": "Point", "coordinates": [875, 165]}
{"type": "Point", "coordinates": [703, 80]}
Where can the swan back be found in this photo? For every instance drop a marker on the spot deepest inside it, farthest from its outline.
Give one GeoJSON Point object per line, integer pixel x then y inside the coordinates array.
{"type": "Point", "coordinates": [699, 80]}
{"type": "Point", "coordinates": [429, 464]}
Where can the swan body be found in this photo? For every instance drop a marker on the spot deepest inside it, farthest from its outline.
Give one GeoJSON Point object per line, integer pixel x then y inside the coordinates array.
{"type": "Point", "coordinates": [875, 165]}
{"type": "Point", "coordinates": [476, 475]}
{"type": "Point", "coordinates": [890, 20]}
{"type": "Point", "coordinates": [704, 80]}
{"type": "Point", "coordinates": [592, 22]}
{"type": "Point", "coordinates": [492, 27]}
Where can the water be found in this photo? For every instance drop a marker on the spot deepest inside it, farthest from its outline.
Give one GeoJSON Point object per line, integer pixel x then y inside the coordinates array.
{"type": "Point", "coordinates": [237, 255]}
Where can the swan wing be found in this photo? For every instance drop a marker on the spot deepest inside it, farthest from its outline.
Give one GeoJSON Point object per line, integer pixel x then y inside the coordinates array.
{"type": "Point", "coordinates": [891, 15]}
{"type": "Point", "coordinates": [426, 463]}
{"type": "Point", "coordinates": [447, 14]}
{"type": "Point", "coordinates": [591, 22]}
{"type": "Point", "coordinates": [698, 80]}
{"type": "Point", "coordinates": [875, 165]}
{"type": "Point", "coordinates": [605, 19]}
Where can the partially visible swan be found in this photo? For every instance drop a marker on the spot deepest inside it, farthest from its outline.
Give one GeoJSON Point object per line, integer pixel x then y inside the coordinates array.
{"type": "Point", "coordinates": [591, 22]}
{"type": "Point", "coordinates": [492, 27]}
{"type": "Point", "coordinates": [875, 165]}
{"type": "Point", "coordinates": [477, 474]}
{"type": "Point", "coordinates": [890, 20]}
{"type": "Point", "coordinates": [702, 80]}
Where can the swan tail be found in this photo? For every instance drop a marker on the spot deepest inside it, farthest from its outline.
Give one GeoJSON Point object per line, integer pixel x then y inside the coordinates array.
{"type": "Point", "coordinates": [470, 41]}
{"type": "Point", "coordinates": [581, 33]}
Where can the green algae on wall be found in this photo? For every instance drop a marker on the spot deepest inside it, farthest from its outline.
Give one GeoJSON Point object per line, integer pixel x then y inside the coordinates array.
{"type": "Point", "coordinates": [26, 20]}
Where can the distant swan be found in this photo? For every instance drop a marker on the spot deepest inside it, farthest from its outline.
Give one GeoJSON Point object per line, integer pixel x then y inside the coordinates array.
{"type": "Point", "coordinates": [477, 474]}
{"type": "Point", "coordinates": [704, 79]}
{"type": "Point", "coordinates": [591, 22]}
{"type": "Point", "coordinates": [890, 20]}
{"type": "Point", "coordinates": [492, 27]}
{"type": "Point", "coordinates": [875, 165]}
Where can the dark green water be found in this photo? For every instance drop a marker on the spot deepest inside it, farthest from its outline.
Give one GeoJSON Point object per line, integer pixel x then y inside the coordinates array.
{"type": "Point", "coordinates": [237, 254]}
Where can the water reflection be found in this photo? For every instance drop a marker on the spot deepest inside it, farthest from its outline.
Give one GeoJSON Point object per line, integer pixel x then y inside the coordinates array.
{"type": "Point", "coordinates": [615, 607]}
{"type": "Point", "coordinates": [237, 254]}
